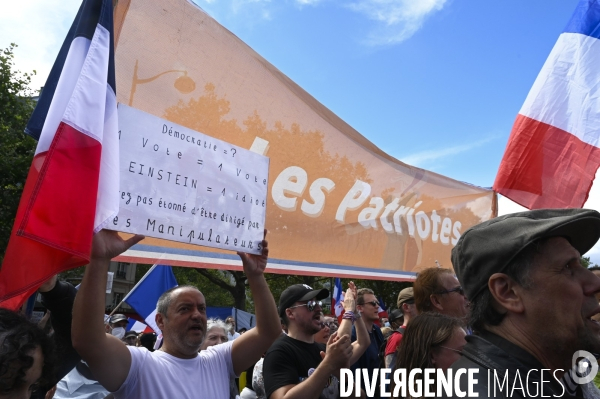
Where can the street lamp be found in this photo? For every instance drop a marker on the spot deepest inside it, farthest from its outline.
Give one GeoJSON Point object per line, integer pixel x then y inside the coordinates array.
{"type": "Point", "coordinates": [184, 84]}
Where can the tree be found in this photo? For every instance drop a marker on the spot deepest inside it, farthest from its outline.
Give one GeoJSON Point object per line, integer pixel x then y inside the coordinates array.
{"type": "Point", "coordinates": [16, 105]}
{"type": "Point", "coordinates": [587, 263]}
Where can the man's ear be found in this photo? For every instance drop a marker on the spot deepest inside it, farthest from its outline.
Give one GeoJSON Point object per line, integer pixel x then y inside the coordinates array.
{"type": "Point", "coordinates": [160, 320]}
{"type": "Point", "coordinates": [435, 301]}
{"type": "Point", "coordinates": [290, 314]}
{"type": "Point", "coordinates": [507, 293]}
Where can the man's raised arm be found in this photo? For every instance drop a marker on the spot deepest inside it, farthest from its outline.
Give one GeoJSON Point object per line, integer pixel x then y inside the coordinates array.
{"type": "Point", "coordinates": [107, 357]}
{"type": "Point", "coordinates": [249, 347]}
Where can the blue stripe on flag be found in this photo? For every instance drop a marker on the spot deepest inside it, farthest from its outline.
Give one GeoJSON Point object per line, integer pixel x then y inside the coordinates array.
{"type": "Point", "coordinates": [143, 299]}
{"type": "Point", "coordinates": [585, 19]}
{"type": "Point", "coordinates": [90, 14]}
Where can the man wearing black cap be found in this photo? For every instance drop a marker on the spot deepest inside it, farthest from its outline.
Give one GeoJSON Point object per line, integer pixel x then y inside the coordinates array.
{"type": "Point", "coordinates": [294, 366]}
{"type": "Point", "coordinates": [531, 300]}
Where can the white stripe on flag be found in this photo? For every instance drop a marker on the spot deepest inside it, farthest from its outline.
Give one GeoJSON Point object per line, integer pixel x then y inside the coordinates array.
{"type": "Point", "coordinates": [150, 320]}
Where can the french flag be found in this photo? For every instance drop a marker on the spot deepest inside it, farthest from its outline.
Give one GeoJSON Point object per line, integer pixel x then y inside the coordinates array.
{"type": "Point", "coordinates": [138, 326]}
{"type": "Point", "coordinates": [72, 186]}
{"type": "Point", "coordinates": [337, 300]}
{"type": "Point", "coordinates": [553, 151]}
{"type": "Point", "coordinates": [144, 296]}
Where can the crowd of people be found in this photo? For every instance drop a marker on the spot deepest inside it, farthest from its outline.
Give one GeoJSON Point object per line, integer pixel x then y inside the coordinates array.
{"type": "Point", "coordinates": [518, 302]}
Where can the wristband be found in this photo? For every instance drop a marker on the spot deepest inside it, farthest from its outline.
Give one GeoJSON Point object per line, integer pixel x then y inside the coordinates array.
{"type": "Point", "coordinates": [349, 315]}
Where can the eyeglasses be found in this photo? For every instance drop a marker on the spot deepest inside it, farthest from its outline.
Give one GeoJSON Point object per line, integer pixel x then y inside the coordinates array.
{"type": "Point", "coordinates": [323, 325]}
{"type": "Point", "coordinates": [458, 289]}
{"type": "Point", "coordinates": [374, 303]}
{"type": "Point", "coordinates": [451, 349]}
{"type": "Point", "coordinates": [310, 305]}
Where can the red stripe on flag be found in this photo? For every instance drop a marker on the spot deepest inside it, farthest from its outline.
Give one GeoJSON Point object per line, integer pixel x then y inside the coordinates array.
{"type": "Point", "coordinates": [546, 167]}
{"type": "Point", "coordinates": [55, 220]}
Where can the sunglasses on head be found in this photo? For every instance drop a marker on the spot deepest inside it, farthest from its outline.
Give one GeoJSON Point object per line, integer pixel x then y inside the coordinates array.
{"type": "Point", "coordinates": [310, 305]}
{"type": "Point", "coordinates": [458, 289]}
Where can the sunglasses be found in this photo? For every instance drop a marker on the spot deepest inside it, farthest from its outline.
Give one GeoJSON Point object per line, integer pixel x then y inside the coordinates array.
{"type": "Point", "coordinates": [374, 303]}
{"type": "Point", "coordinates": [458, 289]}
{"type": "Point", "coordinates": [310, 305]}
{"type": "Point", "coordinates": [323, 325]}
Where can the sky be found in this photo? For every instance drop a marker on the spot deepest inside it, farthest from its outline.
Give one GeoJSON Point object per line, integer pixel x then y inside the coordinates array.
{"type": "Point", "coordinates": [434, 83]}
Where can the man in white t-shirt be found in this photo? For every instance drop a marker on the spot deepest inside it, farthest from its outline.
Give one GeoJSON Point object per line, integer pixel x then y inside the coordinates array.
{"type": "Point", "coordinates": [231, 333]}
{"type": "Point", "coordinates": [177, 370]}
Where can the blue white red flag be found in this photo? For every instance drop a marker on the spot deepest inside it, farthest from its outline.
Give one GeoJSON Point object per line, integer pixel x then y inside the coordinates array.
{"type": "Point", "coordinates": [337, 300]}
{"type": "Point", "coordinates": [553, 151]}
{"type": "Point", "coordinates": [382, 312]}
{"type": "Point", "coordinates": [138, 326]}
{"type": "Point", "coordinates": [144, 296]}
{"type": "Point", "coordinates": [72, 186]}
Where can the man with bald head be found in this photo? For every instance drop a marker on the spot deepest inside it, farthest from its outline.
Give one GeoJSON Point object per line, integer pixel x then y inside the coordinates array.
{"type": "Point", "coordinates": [532, 302]}
{"type": "Point", "coordinates": [177, 370]}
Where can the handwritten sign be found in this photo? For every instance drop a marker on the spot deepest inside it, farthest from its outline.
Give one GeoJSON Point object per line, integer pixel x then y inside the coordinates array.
{"type": "Point", "coordinates": [182, 185]}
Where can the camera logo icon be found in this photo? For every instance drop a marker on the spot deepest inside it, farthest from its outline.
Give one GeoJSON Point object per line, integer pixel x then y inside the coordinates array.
{"type": "Point", "coordinates": [584, 367]}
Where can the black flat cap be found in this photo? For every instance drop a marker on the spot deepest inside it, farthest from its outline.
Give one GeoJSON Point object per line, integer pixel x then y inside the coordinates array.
{"type": "Point", "coordinates": [489, 247]}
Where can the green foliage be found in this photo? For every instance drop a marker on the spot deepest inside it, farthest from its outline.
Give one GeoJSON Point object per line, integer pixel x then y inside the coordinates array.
{"type": "Point", "coordinates": [16, 106]}
{"type": "Point", "coordinates": [216, 293]}
{"type": "Point", "coordinates": [587, 263]}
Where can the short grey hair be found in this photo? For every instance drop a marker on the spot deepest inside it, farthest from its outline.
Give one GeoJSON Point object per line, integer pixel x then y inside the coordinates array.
{"type": "Point", "coordinates": [166, 298]}
{"type": "Point", "coordinates": [213, 322]}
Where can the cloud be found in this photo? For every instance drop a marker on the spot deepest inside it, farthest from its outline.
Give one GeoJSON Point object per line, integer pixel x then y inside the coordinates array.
{"type": "Point", "coordinates": [38, 28]}
{"type": "Point", "coordinates": [421, 159]}
{"type": "Point", "coordinates": [397, 20]}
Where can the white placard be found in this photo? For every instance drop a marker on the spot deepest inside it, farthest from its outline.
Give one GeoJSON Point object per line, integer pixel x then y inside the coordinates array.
{"type": "Point", "coordinates": [184, 186]}
{"type": "Point", "coordinates": [109, 282]}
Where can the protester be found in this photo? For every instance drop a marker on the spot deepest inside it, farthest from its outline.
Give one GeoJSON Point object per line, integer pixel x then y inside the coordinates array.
{"type": "Point", "coordinates": [297, 367]}
{"type": "Point", "coordinates": [58, 297]}
{"type": "Point", "coordinates": [231, 333]}
{"type": "Point", "coordinates": [531, 299]}
{"type": "Point", "coordinates": [130, 338]}
{"type": "Point", "coordinates": [368, 306]}
{"type": "Point", "coordinates": [406, 302]}
{"type": "Point", "coordinates": [177, 370]}
{"type": "Point", "coordinates": [80, 384]}
{"type": "Point", "coordinates": [431, 340]}
{"type": "Point", "coordinates": [323, 335]}
{"type": "Point", "coordinates": [396, 319]}
{"type": "Point", "coordinates": [26, 356]}
{"type": "Point", "coordinates": [258, 380]}
{"type": "Point", "coordinates": [438, 290]}
{"type": "Point", "coordinates": [216, 334]}
{"type": "Point", "coordinates": [118, 323]}
{"type": "Point", "coordinates": [148, 340]}
{"type": "Point", "coordinates": [332, 323]}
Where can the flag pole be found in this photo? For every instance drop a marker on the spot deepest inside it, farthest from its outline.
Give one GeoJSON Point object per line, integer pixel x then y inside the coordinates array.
{"type": "Point", "coordinates": [138, 283]}
{"type": "Point", "coordinates": [133, 289]}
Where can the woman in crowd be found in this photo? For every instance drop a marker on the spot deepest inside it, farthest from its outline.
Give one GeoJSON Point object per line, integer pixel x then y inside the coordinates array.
{"type": "Point", "coordinates": [216, 333]}
{"type": "Point", "coordinates": [431, 340]}
{"type": "Point", "coordinates": [26, 356]}
{"type": "Point", "coordinates": [323, 335]}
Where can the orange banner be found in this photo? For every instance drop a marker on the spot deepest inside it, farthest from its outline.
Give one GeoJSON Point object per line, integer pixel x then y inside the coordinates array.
{"type": "Point", "coordinates": [337, 205]}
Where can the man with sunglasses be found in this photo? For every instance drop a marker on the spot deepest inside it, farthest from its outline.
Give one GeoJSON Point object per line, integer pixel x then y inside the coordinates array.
{"type": "Point", "coordinates": [438, 290]}
{"type": "Point", "coordinates": [368, 306]}
{"type": "Point", "coordinates": [296, 366]}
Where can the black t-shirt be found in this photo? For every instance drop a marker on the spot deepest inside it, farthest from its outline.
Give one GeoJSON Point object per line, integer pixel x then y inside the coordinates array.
{"type": "Point", "coordinates": [290, 361]}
